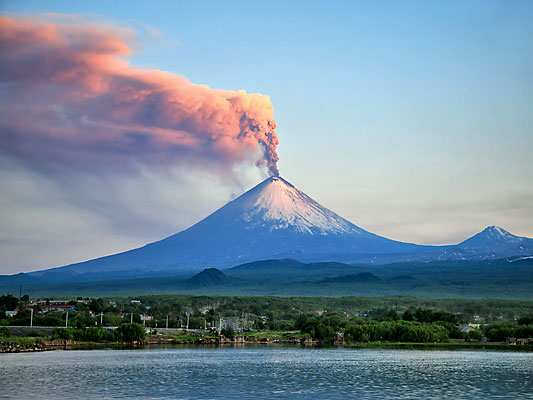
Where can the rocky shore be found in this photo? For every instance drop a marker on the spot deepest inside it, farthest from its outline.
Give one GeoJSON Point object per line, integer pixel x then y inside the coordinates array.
{"type": "Point", "coordinates": [14, 347]}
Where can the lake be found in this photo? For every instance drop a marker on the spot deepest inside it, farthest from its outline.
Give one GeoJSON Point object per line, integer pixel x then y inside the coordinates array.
{"type": "Point", "coordinates": [272, 372]}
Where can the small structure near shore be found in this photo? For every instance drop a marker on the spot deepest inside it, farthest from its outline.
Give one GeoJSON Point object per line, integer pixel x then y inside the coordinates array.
{"type": "Point", "coordinates": [518, 341]}
{"type": "Point", "coordinates": [339, 338]}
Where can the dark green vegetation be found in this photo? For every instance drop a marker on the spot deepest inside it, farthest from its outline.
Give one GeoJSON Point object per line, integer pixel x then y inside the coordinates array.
{"type": "Point", "coordinates": [358, 319]}
{"type": "Point", "coordinates": [281, 308]}
{"type": "Point", "coordinates": [503, 279]}
{"type": "Point", "coordinates": [124, 333]}
{"type": "Point", "coordinates": [363, 330]}
{"type": "Point", "coordinates": [277, 310]}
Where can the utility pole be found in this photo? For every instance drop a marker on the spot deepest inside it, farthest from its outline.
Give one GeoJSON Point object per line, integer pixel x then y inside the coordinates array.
{"type": "Point", "coordinates": [31, 318]}
{"type": "Point", "coordinates": [66, 321]}
{"type": "Point", "coordinates": [20, 292]}
{"type": "Point", "coordinates": [167, 321]}
{"type": "Point", "coordinates": [101, 318]}
{"type": "Point", "coordinates": [131, 321]}
{"type": "Point", "coordinates": [188, 320]}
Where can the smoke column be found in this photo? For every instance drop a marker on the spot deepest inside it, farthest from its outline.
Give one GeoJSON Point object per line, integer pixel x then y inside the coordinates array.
{"type": "Point", "coordinates": [71, 101]}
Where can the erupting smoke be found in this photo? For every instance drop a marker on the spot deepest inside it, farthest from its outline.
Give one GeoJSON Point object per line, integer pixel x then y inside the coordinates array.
{"type": "Point", "coordinates": [69, 99]}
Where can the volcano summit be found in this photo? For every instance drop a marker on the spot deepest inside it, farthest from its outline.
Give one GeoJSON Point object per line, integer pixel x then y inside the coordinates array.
{"type": "Point", "coordinates": [270, 221]}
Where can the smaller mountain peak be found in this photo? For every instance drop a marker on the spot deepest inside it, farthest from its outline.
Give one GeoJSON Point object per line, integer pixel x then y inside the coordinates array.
{"type": "Point", "coordinates": [208, 277]}
{"type": "Point", "coordinates": [492, 236]}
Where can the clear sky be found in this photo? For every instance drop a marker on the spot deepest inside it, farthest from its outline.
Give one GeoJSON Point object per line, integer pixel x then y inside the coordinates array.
{"type": "Point", "coordinates": [412, 119]}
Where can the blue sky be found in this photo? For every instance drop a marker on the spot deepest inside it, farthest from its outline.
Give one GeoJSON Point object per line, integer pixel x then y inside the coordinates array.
{"type": "Point", "coordinates": [412, 119]}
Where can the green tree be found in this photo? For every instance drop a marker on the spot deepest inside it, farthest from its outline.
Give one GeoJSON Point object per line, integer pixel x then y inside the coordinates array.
{"type": "Point", "coordinates": [228, 332]}
{"type": "Point", "coordinates": [5, 331]}
{"type": "Point", "coordinates": [129, 333]}
{"type": "Point", "coordinates": [526, 320]}
{"type": "Point", "coordinates": [474, 335]}
{"type": "Point", "coordinates": [408, 315]}
{"type": "Point", "coordinates": [390, 315]}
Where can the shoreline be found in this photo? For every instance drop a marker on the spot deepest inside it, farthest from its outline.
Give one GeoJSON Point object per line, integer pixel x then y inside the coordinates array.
{"type": "Point", "coordinates": [40, 345]}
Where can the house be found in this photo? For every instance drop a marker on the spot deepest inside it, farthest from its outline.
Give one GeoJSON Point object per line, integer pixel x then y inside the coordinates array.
{"type": "Point", "coordinates": [58, 307]}
{"type": "Point", "coordinates": [469, 327]}
{"type": "Point", "coordinates": [518, 341]}
{"type": "Point", "coordinates": [53, 302]}
{"type": "Point", "coordinates": [229, 324]}
{"type": "Point", "coordinates": [466, 328]}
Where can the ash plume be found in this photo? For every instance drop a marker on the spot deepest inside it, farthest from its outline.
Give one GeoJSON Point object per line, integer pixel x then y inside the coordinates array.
{"type": "Point", "coordinates": [71, 101]}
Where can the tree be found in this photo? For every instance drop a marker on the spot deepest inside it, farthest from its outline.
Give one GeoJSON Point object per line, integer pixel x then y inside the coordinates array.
{"type": "Point", "coordinates": [228, 332]}
{"type": "Point", "coordinates": [96, 305]}
{"type": "Point", "coordinates": [8, 302]}
{"type": "Point", "coordinates": [391, 315]}
{"type": "Point", "coordinates": [475, 335]}
{"type": "Point", "coordinates": [408, 315]}
{"type": "Point", "coordinates": [526, 320]}
{"type": "Point", "coordinates": [5, 331]}
{"type": "Point", "coordinates": [129, 333]}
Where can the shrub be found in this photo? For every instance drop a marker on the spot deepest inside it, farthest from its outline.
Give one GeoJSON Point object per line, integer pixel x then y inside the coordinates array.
{"type": "Point", "coordinates": [5, 331]}
{"type": "Point", "coordinates": [474, 335]}
{"type": "Point", "coordinates": [35, 333]}
{"type": "Point", "coordinates": [397, 331]}
{"type": "Point", "coordinates": [65, 334]}
{"type": "Point", "coordinates": [93, 335]}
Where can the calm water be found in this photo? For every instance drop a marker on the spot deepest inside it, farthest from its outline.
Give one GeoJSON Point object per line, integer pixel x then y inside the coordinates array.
{"type": "Point", "coordinates": [266, 372]}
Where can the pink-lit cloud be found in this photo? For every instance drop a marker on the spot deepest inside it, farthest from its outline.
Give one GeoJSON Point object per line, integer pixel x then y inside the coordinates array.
{"type": "Point", "coordinates": [71, 100]}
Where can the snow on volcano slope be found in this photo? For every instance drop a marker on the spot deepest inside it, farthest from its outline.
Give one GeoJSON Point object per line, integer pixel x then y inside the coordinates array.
{"type": "Point", "coordinates": [276, 204]}
{"type": "Point", "coordinates": [272, 220]}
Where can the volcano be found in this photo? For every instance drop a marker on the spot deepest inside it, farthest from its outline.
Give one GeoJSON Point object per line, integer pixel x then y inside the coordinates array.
{"type": "Point", "coordinates": [276, 220]}
{"type": "Point", "coordinates": [272, 220]}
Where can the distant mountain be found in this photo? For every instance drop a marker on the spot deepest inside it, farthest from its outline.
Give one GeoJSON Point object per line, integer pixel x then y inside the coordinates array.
{"type": "Point", "coordinates": [497, 241]}
{"type": "Point", "coordinates": [281, 269]}
{"type": "Point", "coordinates": [19, 279]}
{"type": "Point", "coordinates": [207, 278]}
{"type": "Point", "coordinates": [275, 220]}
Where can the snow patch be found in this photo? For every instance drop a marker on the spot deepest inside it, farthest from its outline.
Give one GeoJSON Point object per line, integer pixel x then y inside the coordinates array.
{"type": "Point", "coordinates": [281, 205]}
{"type": "Point", "coordinates": [521, 258]}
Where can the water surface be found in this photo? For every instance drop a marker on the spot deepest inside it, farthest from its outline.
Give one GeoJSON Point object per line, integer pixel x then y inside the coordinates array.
{"type": "Point", "coordinates": [266, 372]}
